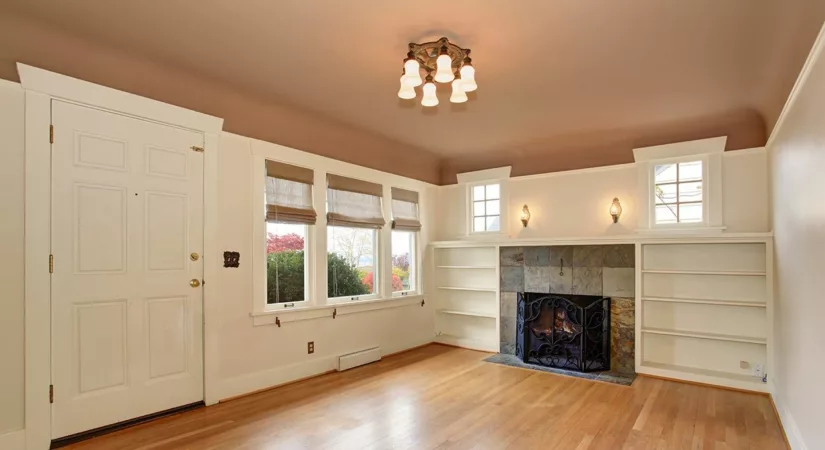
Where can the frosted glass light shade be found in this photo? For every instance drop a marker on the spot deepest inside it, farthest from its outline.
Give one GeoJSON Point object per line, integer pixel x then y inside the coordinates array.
{"type": "Point", "coordinates": [468, 77]}
{"type": "Point", "coordinates": [429, 99]}
{"type": "Point", "coordinates": [444, 69]}
{"type": "Point", "coordinates": [412, 74]}
{"type": "Point", "coordinates": [407, 91]}
{"type": "Point", "coordinates": [458, 96]}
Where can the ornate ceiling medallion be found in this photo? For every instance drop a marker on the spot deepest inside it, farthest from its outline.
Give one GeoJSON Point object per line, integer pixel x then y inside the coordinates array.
{"type": "Point", "coordinates": [443, 62]}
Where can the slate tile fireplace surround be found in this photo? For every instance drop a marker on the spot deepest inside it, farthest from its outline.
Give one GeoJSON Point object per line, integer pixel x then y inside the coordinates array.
{"type": "Point", "coordinates": [583, 270]}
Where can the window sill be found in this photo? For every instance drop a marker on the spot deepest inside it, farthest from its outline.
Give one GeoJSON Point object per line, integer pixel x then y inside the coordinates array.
{"type": "Point", "coordinates": [688, 230]}
{"type": "Point", "coordinates": [326, 311]}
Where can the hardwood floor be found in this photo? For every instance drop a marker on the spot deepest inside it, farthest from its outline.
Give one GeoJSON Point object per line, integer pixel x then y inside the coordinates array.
{"type": "Point", "coordinates": [439, 397]}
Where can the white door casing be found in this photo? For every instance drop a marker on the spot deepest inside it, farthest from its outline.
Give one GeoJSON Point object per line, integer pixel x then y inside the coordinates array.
{"type": "Point", "coordinates": [127, 212]}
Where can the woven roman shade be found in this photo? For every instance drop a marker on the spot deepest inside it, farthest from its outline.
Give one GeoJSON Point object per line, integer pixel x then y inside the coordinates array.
{"type": "Point", "coordinates": [289, 194]}
{"type": "Point", "coordinates": [354, 203]}
{"type": "Point", "coordinates": [405, 210]}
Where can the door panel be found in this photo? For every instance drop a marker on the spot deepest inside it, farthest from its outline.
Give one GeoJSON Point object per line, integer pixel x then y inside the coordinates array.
{"type": "Point", "coordinates": [127, 210]}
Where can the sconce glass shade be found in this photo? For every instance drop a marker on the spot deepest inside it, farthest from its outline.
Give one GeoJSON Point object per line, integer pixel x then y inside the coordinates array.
{"type": "Point", "coordinates": [407, 91]}
{"type": "Point", "coordinates": [616, 210]}
{"type": "Point", "coordinates": [468, 77]}
{"type": "Point", "coordinates": [458, 96]}
{"type": "Point", "coordinates": [444, 68]}
{"type": "Point", "coordinates": [429, 99]}
{"type": "Point", "coordinates": [525, 215]}
{"type": "Point", "coordinates": [412, 74]}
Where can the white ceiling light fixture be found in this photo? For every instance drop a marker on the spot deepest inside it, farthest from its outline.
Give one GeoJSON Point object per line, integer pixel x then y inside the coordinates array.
{"type": "Point", "coordinates": [468, 75]}
{"type": "Point", "coordinates": [407, 91]}
{"type": "Point", "coordinates": [443, 62]}
{"type": "Point", "coordinates": [412, 71]}
{"type": "Point", "coordinates": [459, 94]}
{"type": "Point", "coordinates": [430, 99]}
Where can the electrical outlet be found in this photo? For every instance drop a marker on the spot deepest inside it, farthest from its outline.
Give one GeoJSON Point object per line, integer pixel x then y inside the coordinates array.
{"type": "Point", "coordinates": [758, 371]}
{"type": "Point", "coordinates": [310, 347]}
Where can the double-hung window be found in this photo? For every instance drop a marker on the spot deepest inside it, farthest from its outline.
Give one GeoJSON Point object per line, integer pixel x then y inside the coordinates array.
{"type": "Point", "coordinates": [405, 228]}
{"type": "Point", "coordinates": [289, 214]}
{"type": "Point", "coordinates": [354, 218]}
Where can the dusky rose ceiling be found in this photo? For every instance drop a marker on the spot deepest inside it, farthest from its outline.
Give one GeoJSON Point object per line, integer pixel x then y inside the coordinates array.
{"type": "Point", "coordinates": [562, 84]}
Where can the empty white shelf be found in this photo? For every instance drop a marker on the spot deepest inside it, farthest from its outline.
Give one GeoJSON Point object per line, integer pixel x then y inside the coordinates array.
{"type": "Point", "coordinates": [702, 335]}
{"type": "Point", "coordinates": [704, 272]}
{"type": "Point", "coordinates": [467, 313]}
{"type": "Point", "coordinates": [705, 302]}
{"type": "Point", "coordinates": [453, 288]}
{"type": "Point", "coordinates": [466, 267]}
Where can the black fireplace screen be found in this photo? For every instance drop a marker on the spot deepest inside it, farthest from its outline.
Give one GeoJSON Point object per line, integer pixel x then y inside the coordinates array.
{"type": "Point", "coordinates": [564, 331]}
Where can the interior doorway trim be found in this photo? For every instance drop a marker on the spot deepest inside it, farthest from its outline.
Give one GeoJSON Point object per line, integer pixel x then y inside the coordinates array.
{"type": "Point", "coordinates": [41, 87]}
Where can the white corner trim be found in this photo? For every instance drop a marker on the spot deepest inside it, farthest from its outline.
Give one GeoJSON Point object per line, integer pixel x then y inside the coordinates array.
{"type": "Point", "coordinates": [786, 420]}
{"type": "Point", "coordinates": [498, 173]}
{"type": "Point", "coordinates": [680, 149]}
{"type": "Point", "coordinates": [13, 440]}
{"type": "Point", "coordinates": [810, 62]}
{"type": "Point", "coordinates": [72, 89]}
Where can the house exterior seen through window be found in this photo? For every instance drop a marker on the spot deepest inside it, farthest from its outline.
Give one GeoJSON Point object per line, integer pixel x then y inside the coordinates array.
{"type": "Point", "coordinates": [486, 208]}
{"type": "Point", "coordinates": [678, 192]}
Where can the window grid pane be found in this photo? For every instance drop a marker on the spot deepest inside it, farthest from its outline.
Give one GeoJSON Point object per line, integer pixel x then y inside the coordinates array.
{"type": "Point", "coordinates": [486, 206]}
{"type": "Point", "coordinates": [678, 193]}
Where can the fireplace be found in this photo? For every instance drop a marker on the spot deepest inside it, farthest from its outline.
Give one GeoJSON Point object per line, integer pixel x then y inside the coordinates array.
{"type": "Point", "coordinates": [564, 331]}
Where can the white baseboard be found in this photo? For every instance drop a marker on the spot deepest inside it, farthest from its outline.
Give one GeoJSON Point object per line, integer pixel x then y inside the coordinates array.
{"type": "Point", "coordinates": [787, 422]}
{"type": "Point", "coordinates": [245, 384]}
{"type": "Point", "coordinates": [15, 440]}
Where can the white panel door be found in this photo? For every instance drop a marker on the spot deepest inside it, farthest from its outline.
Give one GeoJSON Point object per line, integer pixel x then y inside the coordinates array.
{"type": "Point", "coordinates": [127, 212]}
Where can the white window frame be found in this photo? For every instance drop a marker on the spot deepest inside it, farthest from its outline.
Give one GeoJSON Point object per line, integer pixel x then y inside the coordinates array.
{"type": "Point", "coordinates": [377, 272]}
{"type": "Point", "coordinates": [414, 265]}
{"type": "Point", "coordinates": [502, 208]}
{"type": "Point", "coordinates": [709, 151]}
{"type": "Point", "coordinates": [652, 191]}
{"type": "Point", "coordinates": [307, 268]}
{"type": "Point", "coordinates": [259, 264]}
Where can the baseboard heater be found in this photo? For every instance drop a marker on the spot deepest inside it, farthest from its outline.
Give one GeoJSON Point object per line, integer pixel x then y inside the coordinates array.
{"type": "Point", "coordinates": [346, 362]}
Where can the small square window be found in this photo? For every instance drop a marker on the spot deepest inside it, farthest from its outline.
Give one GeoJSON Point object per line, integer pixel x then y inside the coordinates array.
{"type": "Point", "coordinates": [486, 208]}
{"type": "Point", "coordinates": [678, 192]}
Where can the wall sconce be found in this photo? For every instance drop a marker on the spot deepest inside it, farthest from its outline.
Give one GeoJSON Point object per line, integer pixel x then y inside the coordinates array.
{"type": "Point", "coordinates": [616, 209]}
{"type": "Point", "coordinates": [525, 216]}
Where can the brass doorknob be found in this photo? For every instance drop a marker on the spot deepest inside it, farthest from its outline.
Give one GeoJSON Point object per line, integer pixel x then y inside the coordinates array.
{"type": "Point", "coordinates": [194, 283]}
{"type": "Point", "coordinates": [194, 256]}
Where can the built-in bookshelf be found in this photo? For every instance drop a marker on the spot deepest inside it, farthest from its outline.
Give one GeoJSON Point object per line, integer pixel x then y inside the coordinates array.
{"type": "Point", "coordinates": [704, 311]}
{"type": "Point", "coordinates": [467, 296]}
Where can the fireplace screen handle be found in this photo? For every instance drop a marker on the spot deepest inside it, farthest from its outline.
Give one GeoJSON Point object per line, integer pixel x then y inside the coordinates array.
{"type": "Point", "coordinates": [561, 270]}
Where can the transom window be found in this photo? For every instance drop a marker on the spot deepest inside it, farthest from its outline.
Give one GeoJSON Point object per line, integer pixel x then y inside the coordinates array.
{"type": "Point", "coordinates": [486, 208]}
{"type": "Point", "coordinates": [678, 192]}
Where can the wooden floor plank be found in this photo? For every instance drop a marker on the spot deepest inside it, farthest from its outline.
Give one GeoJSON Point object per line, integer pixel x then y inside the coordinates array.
{"type": "Point", "coordinates": [439, 397]}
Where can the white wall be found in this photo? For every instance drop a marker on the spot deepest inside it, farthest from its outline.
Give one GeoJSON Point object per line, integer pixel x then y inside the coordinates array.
{"type": "Point", "coordinates": [575, 203]}
{"type": "Point", "coordinates": [254, 357]}
{"type": "Point", "coordinates": [797, 162]}
{"type": "Point", "coordinates": [12, 261]}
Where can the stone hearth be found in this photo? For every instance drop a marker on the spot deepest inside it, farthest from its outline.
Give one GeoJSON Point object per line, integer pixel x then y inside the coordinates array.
{"type": "Point", "coordinates": [605, 270]}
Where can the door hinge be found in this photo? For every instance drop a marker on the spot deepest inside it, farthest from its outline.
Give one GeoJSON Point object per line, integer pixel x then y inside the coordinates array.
{"type": "Point", "coordinates": [51, 393]}
{"type": "Point", "coordinates": [51, 263]}
{"type": "Point", "coordinates": [51, 134]}
{"type": "Point", "coordinates": [197, 149]}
